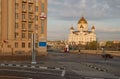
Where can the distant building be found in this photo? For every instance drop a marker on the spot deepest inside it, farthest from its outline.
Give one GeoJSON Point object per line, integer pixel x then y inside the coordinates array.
{"type": "Point", "coordinates": [82, 35]}
{"type": "Point", "coordinates": [116, 41]}
{"type": "Point", "coordinates": [102, 43]}
{"type": "Point", "coordinates": [19, 19]}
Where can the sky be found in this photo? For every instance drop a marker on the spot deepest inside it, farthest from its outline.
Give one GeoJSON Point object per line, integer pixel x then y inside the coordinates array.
{"type": "Point", "coordinates": [103, 14]}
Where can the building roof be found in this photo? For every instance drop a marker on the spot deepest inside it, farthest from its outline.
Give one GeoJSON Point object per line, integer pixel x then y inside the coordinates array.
{"type": "Point", "coordinates": [82, 20]}
{"type": "Point", "coordinates": [93, 27]}
{"type": "Point", "coordinates": [72, 28]}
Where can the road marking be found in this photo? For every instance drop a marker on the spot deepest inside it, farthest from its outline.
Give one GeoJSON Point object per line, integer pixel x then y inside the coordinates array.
{"type": "Point", "coordinates": [92, 78]}
{"type": "Point", "coordinates": [2, 64]}
{"type": "Point", "coordinates": [63, 73]}
{"type": "Point", "coordinates": [42, 67]}
{"type": "Point", "coordinates": [15, 77]}
{"type": "Point", "coordinates": [17, 65]}
{"type": "Point", "coordinates": [97, 68]}
{"type": "Point", "coordinates": [32, 66]}
{"type": "Point", "coordinates": [10, 64]}
{"type": "Point", "coordinates": [25, 66]}
{"type": "Point", "coordinates": [57, 68]}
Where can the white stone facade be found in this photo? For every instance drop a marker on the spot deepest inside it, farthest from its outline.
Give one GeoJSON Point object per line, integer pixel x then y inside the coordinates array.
{"type": "Point", "coordinates": [82, 35]}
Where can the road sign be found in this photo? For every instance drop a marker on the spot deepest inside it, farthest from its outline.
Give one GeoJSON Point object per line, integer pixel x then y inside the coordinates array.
{"type": "Point", "coordinates": [43, 16]}
{"type": "Point", "coordinates": [42, 44]}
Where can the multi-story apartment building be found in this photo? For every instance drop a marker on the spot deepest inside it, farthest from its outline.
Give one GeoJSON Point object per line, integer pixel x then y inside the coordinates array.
{"type": "Point", "coordinates": [82, 35]}
{"type": "Point", "coordinates": [19, 20]}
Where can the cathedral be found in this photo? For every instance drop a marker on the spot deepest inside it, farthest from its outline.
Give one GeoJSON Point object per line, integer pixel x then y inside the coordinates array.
{"type": "Point", "coordinates": [82, 35]}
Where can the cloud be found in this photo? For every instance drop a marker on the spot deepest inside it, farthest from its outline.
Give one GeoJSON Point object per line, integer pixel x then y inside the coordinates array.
{"type": "Point", "coordinates": [93, 9]}
{"type": "Point", "coordinates": [104, 14]}
{"type": "Point", "coordinates": [83, 4]}
{"type": "Point", "coordinates": [112, 31]}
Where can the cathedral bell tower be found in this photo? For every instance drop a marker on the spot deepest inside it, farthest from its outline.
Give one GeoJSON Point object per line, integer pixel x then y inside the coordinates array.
{"type": "Point", "coordinates": [93, 29]}
{"type": "Point", "coordinates": [84, 23]}
{"type": "Point", "coordinates": [71, 29]}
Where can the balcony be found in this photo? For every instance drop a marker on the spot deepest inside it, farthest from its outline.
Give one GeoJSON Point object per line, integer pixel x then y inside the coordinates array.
{"type": "Point", "coordinates": [24, 30]}
{"type": "Point", "coordinates": [30, 1]}
{"type": "Point", "coordinates": [30, 11]}
{"type": "Point", "coordinates": [24, 1]}
{"type": "Point", "coordinates": [30, 21]}
{"type": "Point", "coordinates": [30, 30]}
{"type": "Point", "coordinates": [24, 10]}
{"type": "Point", "coordinates": [24, 20]}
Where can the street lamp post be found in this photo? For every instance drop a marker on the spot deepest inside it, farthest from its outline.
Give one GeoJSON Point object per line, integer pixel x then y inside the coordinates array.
{"type": "Point", "coordinates": [97, 46]}
{"type": "Point", "coordinates": [33, 50]}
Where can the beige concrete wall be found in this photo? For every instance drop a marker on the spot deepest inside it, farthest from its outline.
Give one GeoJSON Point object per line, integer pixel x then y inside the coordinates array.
{"type": "Point", "coordinates": [4, 19]}
{"type": "Point", "coordinates": [0, 21]}
{"type": "Point", "coordinates": [11, 20]}
{"type": "Point", "coordinates": [8, 21]}
{"type": "Point", "coordinates": [43, 37]}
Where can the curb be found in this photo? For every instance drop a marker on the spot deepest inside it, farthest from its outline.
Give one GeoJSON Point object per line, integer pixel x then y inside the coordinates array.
{"type": "Point", "coordinates": [31, 66]}
{"type": "Point", "coordinates": [97, 68]}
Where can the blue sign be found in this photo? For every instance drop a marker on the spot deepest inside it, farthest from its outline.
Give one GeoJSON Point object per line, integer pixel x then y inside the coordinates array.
{"type": "Point", "coordinates": [42, 44]}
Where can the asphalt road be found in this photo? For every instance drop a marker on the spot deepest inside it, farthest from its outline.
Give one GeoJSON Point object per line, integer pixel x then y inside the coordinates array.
{"type": "Point", "coordinates": [26, 73]}
{"type": "Point", "coordinates": [29, 73]}
{"type": "Point", "coordinates": [75, 64]}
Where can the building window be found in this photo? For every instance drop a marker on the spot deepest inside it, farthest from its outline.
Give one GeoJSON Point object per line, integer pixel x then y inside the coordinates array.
{"type": "Point", "coordinates": [42, 27]}
{"type": "Point", "coordinates": [30, 17]}
{"type": "Point", "coordinates": [9, 46]}
{"type": "Point", "coordinates": [16, 5]}
{"type": "Point", "coordinates": [23, 45]}
{"type": "Point", "coordinates": [36, 35]}
{"type": "Point", "coordinates": [16, 44]}
{"type": "Point", "coordinates": [23, 6]}
{"type": "Point", "coordinates": [17, 16]}
{"type": "Point", "coordinates": [23, 25]}
{"type": "Point", "coordinates": [30, 26]}
{"type": "Point", "coordinates": [23, 16]}
{"type": "Point", "coordinates": [16, 35]}
{"type": "Point", "coordinates": [23, 35]}
{"type": "Point", "coordinates": [30, 7]}
{"type": "Point", "coordinates": [16, 26]}
{"type": "Point", "coordinates": [29, 45]}
{"type": "Point", "coordinates": [42, 7]}
{"type": "Point", "coordinates": [29, 35]}
{"type": "Point", "coordinates": [36, 18]}
{"type": "Point", "coordinates": [36, 8]}
{"type": "Point", "coordinates": [29, 0]}
{"type": "Point", "coordinates": [36, 45]}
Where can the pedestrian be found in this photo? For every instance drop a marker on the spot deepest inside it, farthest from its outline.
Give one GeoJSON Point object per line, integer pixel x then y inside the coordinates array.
{"type": "Point", "coordinates": [67, 50]}
{"type": "Point", "coordinates": [79, 51]}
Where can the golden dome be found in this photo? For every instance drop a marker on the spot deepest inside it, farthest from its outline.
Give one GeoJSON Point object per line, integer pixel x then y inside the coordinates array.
{"type": "Point", "coordinates": [82, 20]}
